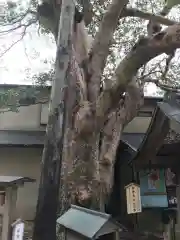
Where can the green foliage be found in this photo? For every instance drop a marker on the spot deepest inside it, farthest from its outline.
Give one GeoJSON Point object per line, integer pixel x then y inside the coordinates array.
{"type": "Point", "coordinates": [12, 98]}
{"type": "Point", "coordinates": [44, 78]}
{"type": "Point", "coordinates": [126, 35]}
{"type": "Point", "coordinates": [172, 3]}
{"type": "Point", "coordinates": [17, 12]}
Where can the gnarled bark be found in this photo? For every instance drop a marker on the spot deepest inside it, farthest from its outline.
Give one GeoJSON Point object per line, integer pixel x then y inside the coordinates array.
{"type": "Point", "coordinates": [86, 170]}
{"type": "Point", "coordinates": [95, 113]}
{"type": "Point", "coordinates": [133, 12]}
{"type": "Point", "coordinates": [126, 111]}
{"type": "Point", "coordinates": [143, 51]}
{"type": "Point", "coordinates": [85, 167]}
{"type": "Point", "coordinates": [85, 149]}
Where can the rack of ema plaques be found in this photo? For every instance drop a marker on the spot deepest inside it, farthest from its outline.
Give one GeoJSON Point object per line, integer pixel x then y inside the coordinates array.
{"type": "Point", "coordinates": [8, 196]}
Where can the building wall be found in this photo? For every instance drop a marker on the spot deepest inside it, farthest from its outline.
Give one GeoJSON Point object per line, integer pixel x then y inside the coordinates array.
{"type": "Point", "coordinates": [26, 161]}
{"type": "Point", "coordinates": [27, 118]}
{"type": "Point", "coordinates": [23, 162]}
{"type": "Point", "coordinates": [35, 117]}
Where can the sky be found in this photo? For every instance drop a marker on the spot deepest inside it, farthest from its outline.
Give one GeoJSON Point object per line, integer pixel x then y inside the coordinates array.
{"type": "Point", "coordinates": [29, 56]}
{"type": "Point", "coordinates": [26, 58]}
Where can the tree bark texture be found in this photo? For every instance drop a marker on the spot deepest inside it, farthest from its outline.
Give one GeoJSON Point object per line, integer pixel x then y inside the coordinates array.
{"type": "Point", "coordinates": [79, 172]}
{"type": "Point", "coordinates": [88, 165]}
{"type": "Point", "coordinates": [46, 211]}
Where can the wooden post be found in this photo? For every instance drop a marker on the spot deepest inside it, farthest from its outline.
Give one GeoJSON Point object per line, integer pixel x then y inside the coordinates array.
{"type": "Point", "coordinates": [46, 211]}
{"type": "Point", "coordinates": [178, 206]}
{"type": "Point", "coordinates": [166, 233]}
{"type": "Point", "coordinates": [9, 212]}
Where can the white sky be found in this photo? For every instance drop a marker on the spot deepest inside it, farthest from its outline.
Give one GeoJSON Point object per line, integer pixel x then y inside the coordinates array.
{"type": "Point", "coordinates": [28, 57]}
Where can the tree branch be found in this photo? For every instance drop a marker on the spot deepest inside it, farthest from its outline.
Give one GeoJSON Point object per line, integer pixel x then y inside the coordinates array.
{"type": "Point", "coordinates": [142, 52]}
{"type": "Point", "coordinates": [112, 131]}
{"type": "Point", "coordinates": [20, 25]}
{"type": "Point", "coordinates": [20, 18]}
{"type": "Point", "coordinates": [87, 11]}
{"type": "Point", "coordinates": [167, 65]}
{"type": "Point", "coordinates": [100, 49]}
{"type": "Point", "coordinates": [25, 26]}
{"type": "Point", "coordinates": [164, 87]}
{"type": "Point", "coordinates": [133, 12]}
{"type": "Point", "coordinates": [145, 50]}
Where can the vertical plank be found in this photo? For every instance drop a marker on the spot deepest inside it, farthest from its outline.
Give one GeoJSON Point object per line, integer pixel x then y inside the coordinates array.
{"type": "Point", "coordinates": [177, 227]}
{"type": "Point", "coordinates": [9, 212]}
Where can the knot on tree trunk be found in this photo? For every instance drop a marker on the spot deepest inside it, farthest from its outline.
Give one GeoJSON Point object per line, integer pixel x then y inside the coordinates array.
{"type": "Point", "coordinates": [84, 123]}
{"type": "Point", "coordinates": [83, 197]}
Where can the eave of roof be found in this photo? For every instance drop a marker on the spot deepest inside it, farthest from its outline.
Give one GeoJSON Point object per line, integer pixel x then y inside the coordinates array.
{"type": "Point", "coordinates": [157, 133]}
{"type": "Point", "coordinates": [22, 138]}
{"type": "Point", "coordinates": [6, 181]}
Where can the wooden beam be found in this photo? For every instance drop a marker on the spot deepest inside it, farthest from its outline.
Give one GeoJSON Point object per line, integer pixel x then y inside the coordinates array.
{"type": "Point", "coordinates": [160, 162]}
{"type": "Point", "coordinates": [170, 149]}
{"type": "Point", "coordinates": [178, 207]}
{"type": "Point", "coordinates": [155, 136]}
{"type": "Point", "coordinates": [9, 211]}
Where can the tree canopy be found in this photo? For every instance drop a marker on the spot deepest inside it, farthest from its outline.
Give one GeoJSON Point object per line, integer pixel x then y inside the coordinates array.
{"type": "Point", "coordinates": [134, 43]}
{"type": "Point", "coordinates": [132, 25]}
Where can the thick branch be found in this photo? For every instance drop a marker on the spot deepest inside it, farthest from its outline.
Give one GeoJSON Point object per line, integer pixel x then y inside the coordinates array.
{"type": "Point", "coordinates": [133, 12]}
{"type": "Point", "coordinates": [113, 129]}
{"type": "Point", "coordinates": [87, 11]}
{"type": "Point", "coordinates": [143, 51]}
{"type": "Point", "coordinates": [164, 87]}
{"type": "Point", "coordinates": [100, 49]}
{"type": "Point", "coordinates": [134, 100]}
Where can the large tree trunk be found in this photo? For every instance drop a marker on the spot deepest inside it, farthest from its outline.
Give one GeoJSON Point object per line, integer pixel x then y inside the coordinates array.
{"type": "Point", "coordinates": [87, 170]}
{"type": "Point", "coordinates": [46, 211]}
{"type": "Point", "coordinates": [80, 171]}
{"type": "Point", "coordinates": [88, 167]}
{"type": "Point", "coordinates": [88, 161]}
